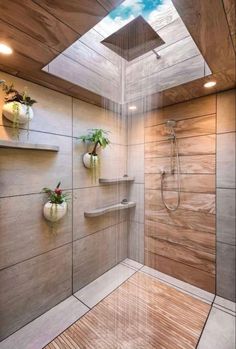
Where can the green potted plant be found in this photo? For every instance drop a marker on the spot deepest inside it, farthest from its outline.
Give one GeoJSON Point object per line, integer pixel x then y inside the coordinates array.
{"type": "Point", "coordinates": [17, 107]}
{"type": "Point", "coordinates": [56, 206]}
{"type": "Point", "coordinates": [99, 139]}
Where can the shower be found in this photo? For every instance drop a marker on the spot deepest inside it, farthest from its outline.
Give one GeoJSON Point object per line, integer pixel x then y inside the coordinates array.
{"type": "Point", "coordinates": [174, 164]}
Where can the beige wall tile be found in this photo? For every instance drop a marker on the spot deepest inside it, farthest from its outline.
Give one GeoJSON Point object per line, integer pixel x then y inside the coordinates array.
{"type": "Point", "coordinates": [92, 256]}
{"type": "Point", "coordinates": [30, 288]}
{"type": "Point", "coordinates": [226, 273]}
{"type": "Point", "coordinates": [52, 112]}
{"type": "Point", "coordinates": [121, 241]}
{"type": "Point", "coordinates": [226, 112]}
{"type": "Point", "coordinates": [87, 116]}
{"type": "Point", "coordinates": [87, 199]}
{"type": "Point", "coordinates": [226, 216]}
{"type": "Point", "coordinates": [136, 241]}
{"type": "Point", "coordinates": [113, 164]}
{"type": "Point", "coordinates": [226, 160]}
{"type": "Point", "coordinates": [136, 129]}
{"type": "Point", "coordinates": [32, 235]}
{"type": "Point", "coordinates": [136, 162]}
{"type": "Point", "coordinates": [28, 171]}
{"type": "Point", "coordinates": [136, 194]}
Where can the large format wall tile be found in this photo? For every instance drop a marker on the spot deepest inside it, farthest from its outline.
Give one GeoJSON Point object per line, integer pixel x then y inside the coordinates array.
{"type": "Point", "coordinates": [195, 107]}
{"type": "Point", "coordinates": [136, 162]}
{"type": "Point", "coordinates": [226, 276]}
{"type": "Point", "coordinates": [188, 164]}
{"type": "Point", "coordinates": [226, 219]}
{"type": "Point", "coordinates": [112, 164]}
{"type": "Point", "coordinates": [181, 271]}
{"type": "Point", "coordinates": [87, 199]}
{"type": "Point", "coordinates": [52, 112]}
{"type": "Point", "coordinates": [121, 241]}
{"type": "Point", "coordinates": [226, 160]}
{"type": "Point", "coordinates": [87, 116]}
{"type": "Point", "coordinates": [195, 183]}
{"type": "Point", "coordinates": [32, 235]}
{"type": "Point", "coordinates": [198, 145]}
{"type": "Point", "coordinates": [28, 171]}
{"type": "Point", "coordinates": [190, 256]}
{"type": "Point", "coordinates": [135, 129]}
{"type": "Point", "coordinates": [182, 242]}
{"type": "Point", "coordinates": [226, 112]}
{"type": "Point", "coordinates": [185, 128]}
{"type": "Point", "coordinates": [194, 239]}
{"type": "Point", "coordinates": [198, 202]}
{"type": "Point", "coordinates": [30, 288]}
{"type": "Point", "coordinates": [136, 194]}
{"type": "Point", "coordinates": [136, 241]}
{"type": "Point", "coordinates": [92, 256]}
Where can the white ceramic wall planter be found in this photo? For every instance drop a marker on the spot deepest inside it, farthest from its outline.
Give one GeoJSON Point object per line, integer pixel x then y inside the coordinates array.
{"type": "Point", "coordinates": [54, 212]}
{"type": "Point", "coordinates": [25, 113]}
{"type": "Point", "coordinates": [90, 160]}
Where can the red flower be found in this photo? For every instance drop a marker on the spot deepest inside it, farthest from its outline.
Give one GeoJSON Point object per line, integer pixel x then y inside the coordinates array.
{"type": "Point", "coordinates": [58, 191]}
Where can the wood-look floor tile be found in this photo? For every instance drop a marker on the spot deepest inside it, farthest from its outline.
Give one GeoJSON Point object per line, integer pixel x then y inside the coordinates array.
{"type": "Point", "coordinates": [142, 313]}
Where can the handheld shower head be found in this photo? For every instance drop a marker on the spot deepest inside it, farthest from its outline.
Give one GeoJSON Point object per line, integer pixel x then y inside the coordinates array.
{"type": "Point", "coordinates": [170, 123]}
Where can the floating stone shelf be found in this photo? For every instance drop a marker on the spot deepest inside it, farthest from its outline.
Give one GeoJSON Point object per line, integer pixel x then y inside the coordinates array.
{"type": "Point", "coordinates": [30, 146]}
{"type": "Point", "coordinates": [116, 207]}
{"type": "Point", "coordinates": [116, 180]}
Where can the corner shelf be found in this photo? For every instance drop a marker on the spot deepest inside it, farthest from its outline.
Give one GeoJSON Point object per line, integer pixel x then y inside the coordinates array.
{"type": "Point", "coordinates": [116, 180]}
{"type": "Point", "coordinates": [30, 146]}
{"type": "Point", "coordinates": [116, 207]}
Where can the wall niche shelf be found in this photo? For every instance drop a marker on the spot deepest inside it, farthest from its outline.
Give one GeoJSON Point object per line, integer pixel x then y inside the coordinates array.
{"type": "Point", "coordinates": [116, 180]}
{"type": "Point", "coordinates": [116, 207]}
{"type": "Point", "coordinates": [29, 146]}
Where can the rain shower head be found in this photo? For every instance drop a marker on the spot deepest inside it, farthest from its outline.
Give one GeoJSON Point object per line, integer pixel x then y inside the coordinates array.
{"type": "Point", "coordinates": [134, 39]}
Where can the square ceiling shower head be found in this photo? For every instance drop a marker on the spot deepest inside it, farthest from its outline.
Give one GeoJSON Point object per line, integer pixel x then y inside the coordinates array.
{"type": "Point", "coordinates": [134, 39]}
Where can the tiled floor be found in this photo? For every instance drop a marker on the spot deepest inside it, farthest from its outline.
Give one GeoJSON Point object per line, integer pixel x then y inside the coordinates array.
{"type": "Point", "coordinates": [218, 331]}
{"type": "Point", "coordinates": [142, 313]}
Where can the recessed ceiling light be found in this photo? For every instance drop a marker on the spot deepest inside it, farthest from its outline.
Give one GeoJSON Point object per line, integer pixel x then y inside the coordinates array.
{"type": "Point", "coordinates": [132, 107]}
{"type": "Point", "coordinates": [210, 84]}
{"type": "Point", "coordinates": [4, 49]}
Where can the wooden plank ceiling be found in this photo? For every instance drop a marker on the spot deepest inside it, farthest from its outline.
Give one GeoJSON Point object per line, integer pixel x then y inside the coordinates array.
{"type": "Point", "coordinates": [40, 30]}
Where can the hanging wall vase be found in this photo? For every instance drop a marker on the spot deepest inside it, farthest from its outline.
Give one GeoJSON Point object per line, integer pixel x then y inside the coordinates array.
{"type": "Point", "coordinates": [54, 212]}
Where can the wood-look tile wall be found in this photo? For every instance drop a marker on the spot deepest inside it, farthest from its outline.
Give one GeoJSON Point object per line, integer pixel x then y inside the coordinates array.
{"type": "Point", "coordinates": [182, 243]}
{"type": "Point", "coordinates": [38, 269]}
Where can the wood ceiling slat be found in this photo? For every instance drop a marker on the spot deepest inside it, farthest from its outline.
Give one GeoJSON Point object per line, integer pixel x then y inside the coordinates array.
{"type": "Point", "coordinates": [33, 20]}
{"type": "Point", "coordinates": [206, 21]}
{"type": "Point", "coordinates": [183, 49]}
{"type": "Point", "coordinates": [110, 4]}
{"type": "Point", "coordinates": [25, 44]}
{"type": "Point", "coordinates": [74, 72]}
{"type": "Point", "coordinates": [79, 15]}
{"type": "Point", "coordinates": [172, 76]}
{"type": "Point", "coordinates": [230, 9]}
{"type": "Point", "coordinates": [89, 58]}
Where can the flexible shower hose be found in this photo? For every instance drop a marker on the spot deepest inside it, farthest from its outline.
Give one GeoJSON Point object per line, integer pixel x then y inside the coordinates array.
{"type": "Point", "coordinates": [163, 173]}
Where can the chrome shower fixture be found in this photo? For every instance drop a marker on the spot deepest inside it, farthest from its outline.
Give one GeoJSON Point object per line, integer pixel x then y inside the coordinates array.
{"type": "Point", "coordinates": [174, 165]}
{"type": "Point", "coordinates": [171, 123]}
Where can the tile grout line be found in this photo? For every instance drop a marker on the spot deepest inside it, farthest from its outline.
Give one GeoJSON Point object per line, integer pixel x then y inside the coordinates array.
{"type": "Point", "coordinates": [89, 309]}
{"type": "Point", "coordinates": [203, 328]}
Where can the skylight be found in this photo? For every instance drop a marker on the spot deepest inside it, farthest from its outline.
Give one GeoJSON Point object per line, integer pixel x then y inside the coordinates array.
{"type": "Point", "coordinates": [130, 9]}
{"type": "Point", "coordinates": [89, 64]}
